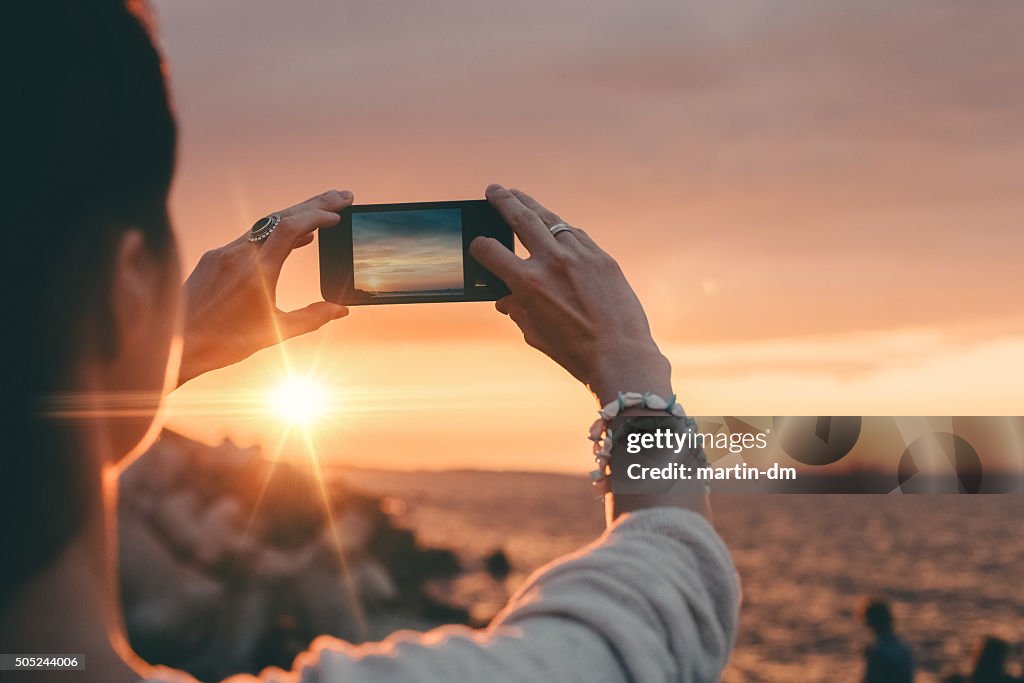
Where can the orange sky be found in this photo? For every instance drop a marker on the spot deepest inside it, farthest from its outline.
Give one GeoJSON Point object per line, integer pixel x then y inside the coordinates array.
{"type": "Point", "coordinates": [820, 203]}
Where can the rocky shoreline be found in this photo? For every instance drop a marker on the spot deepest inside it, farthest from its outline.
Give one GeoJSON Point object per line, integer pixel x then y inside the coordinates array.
{"type": "Point", "coordinates": [228, 563]}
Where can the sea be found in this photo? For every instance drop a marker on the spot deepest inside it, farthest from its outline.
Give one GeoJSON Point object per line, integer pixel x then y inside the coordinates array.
{"type": "Point", "coordinates": [951, 565]}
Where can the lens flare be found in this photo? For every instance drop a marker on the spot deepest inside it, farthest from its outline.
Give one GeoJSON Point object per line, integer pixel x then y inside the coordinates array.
{"type": "Point", "coordinates": [299, 400]}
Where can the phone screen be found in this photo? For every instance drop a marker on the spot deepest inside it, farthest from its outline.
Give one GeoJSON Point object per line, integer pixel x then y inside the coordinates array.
{"type": "Point", "coordinates": [410, 253]}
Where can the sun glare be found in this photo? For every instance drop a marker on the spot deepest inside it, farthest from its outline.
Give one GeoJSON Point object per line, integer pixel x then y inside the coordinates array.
{"type": "Point", "coordinates": [299, 400]}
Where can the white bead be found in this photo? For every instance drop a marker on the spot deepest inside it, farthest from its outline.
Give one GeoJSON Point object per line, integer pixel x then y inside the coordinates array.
{"type": "Point", "coordinates": [655, 402]}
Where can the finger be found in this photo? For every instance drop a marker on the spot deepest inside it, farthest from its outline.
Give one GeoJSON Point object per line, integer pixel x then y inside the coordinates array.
{"type": "Point", "coordinates": [549, 217]}
{"type": "Point", "coordinates": [291, 229]}
{"type": "Point", "coordinates": [243, 239]}
{"type": "Point", "coordinates": [331, 200]}
{"type": "Point", "coordinates": [521, 318]}
{"type": "Point", "coordinates": [508, 305]}
{"type": "Point", "coordinates": [531, 230]}
{"type": "Point", "coordinates": [586, 240]}
{"type": "Point", "coordinates": [511, 307]}
{"type": "Point", "coordinates": [515, 311]}
{"type": "Point", "coordinates": [497, 258]}
{"type": "Point", "coordinates": [303, 241]}
{"type": "Point", "coordinates": [567, 237]}
{"type": "Point", "coordinates": [309, 318]}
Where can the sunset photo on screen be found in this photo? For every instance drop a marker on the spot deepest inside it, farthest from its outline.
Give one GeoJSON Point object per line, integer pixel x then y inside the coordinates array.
{"type": "Point", "coordinates": [405, 253]}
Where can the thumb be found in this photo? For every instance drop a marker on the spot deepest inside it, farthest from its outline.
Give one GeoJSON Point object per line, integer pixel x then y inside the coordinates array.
{"type": "Point", "coordinates": [309, 318]}
{"type": "Point", "coordinates": [497, 258]}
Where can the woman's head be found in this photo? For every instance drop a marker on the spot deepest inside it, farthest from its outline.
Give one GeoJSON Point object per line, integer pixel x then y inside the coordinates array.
{"type": "Point", "coordinates": [90, 270]}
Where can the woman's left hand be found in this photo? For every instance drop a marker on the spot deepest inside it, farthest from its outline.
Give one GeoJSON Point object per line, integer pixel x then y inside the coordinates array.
{"type": "Point", "coordinates": [231, 297]}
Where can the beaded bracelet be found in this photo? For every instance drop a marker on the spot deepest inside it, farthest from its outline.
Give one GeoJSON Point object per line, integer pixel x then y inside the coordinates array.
{"type": "Point", "coordinates": [601, 430]}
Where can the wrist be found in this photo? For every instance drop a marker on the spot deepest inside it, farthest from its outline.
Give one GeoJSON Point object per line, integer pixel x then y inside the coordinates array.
{"type": "Point", "coordinates": [634, 367]}
{"type": "Point", "coordinates": [685, 495]}
{"type": "Point", "coordinates": [192, 351]}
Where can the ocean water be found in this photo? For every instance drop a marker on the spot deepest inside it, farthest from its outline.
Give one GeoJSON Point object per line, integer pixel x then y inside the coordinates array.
{"type": "Point", "coordinates": [953, 566]}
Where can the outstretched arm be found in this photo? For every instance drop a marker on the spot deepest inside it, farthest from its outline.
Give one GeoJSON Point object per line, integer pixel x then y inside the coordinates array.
{"type": "Point", "coordinates": [654, 599]}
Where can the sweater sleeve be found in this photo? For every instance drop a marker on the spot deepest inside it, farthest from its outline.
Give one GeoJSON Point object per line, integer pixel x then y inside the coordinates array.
{"type": "Point", "coordinates": [654, 599]}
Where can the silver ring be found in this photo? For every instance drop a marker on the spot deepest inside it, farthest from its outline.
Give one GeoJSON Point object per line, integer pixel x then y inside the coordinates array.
{"type": "Point", "coordinates": [262, 228]}
{"type": "Point", "coordinates": [559, 227]}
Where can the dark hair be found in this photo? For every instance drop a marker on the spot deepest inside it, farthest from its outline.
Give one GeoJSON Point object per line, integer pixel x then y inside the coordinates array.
{"type": "Point", "coordinates": [88, 142]}
{"type": "Point", "coordinates": [878, 616]}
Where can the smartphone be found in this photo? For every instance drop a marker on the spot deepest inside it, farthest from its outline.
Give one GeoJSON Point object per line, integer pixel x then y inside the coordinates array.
{"type": "Point", "coordinates": [410, 253]}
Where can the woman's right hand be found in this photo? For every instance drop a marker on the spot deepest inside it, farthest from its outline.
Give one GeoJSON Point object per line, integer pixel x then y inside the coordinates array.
{"type": "Point", "coordinates": [572, 302]}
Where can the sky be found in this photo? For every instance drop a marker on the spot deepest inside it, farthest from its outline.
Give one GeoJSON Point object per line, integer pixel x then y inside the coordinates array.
{"type": "Point", "coordinates": [820, 204]}
{"type": "Point", "coordinates": [407, 251]}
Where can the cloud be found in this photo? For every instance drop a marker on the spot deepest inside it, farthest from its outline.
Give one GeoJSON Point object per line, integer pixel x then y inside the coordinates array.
{"type": "Point", "coordinates": [385, 226]}
{"type": "Point", "coordinates": [830, 167]}
{"type": "Point", "coordinates": [407, 250]}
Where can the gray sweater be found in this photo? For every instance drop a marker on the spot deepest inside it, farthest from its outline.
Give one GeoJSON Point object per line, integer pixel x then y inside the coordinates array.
{"type": "Point", "coordinates": [654, 599]}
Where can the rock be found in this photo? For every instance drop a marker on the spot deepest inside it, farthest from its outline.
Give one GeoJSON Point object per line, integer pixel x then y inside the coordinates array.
{"type": "Point", "coordinates": [229, 565]}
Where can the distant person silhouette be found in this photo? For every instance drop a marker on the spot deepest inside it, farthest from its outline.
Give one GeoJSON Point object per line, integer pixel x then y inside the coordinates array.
{"type": "Point", "coordinates": [990, 656]}
{"type": "Point", "coordinates": [888, 659]}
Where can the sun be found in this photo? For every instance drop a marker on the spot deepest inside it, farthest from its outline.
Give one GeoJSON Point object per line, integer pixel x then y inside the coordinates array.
{"type": "Point", "coordinates": [299, 400]}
